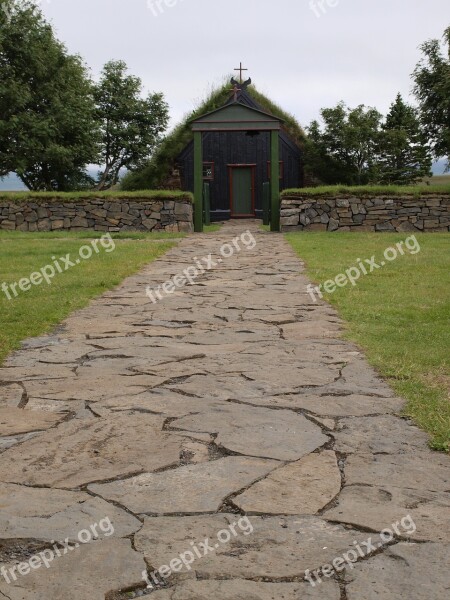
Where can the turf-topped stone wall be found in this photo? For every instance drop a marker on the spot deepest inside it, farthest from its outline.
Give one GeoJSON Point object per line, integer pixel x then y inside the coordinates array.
{"type": "Point", "coordinates": [102, 212]}
{"type": "Point", "coordinates": [341, 211]}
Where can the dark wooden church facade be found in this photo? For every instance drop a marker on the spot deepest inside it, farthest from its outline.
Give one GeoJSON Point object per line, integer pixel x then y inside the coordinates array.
{"type": "Point", "coordinates": [236, 164]}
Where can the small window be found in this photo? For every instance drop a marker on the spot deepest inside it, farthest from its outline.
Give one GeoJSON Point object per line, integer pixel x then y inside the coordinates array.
{"type": "Point", "coordinates": [269, 164]}
{"type": "Point", "coordinates": [208, 170]}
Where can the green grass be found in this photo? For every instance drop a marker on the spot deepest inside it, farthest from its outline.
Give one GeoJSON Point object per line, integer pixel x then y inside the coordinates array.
{"type": "Point", "coordinates": [89, 234]}
{"type": "Point", "coordinates": [38, 310]}
{"type": "Point", "coordinates": [438, 180]}
{"type": "Point", "coordinates": [400, 315]}
{"type": "Point", "coordinates": [71, 196]}
{"type": "Point", "coordinates": [369, 190]}
{"type": "Point", "coordinates": [213, 228]}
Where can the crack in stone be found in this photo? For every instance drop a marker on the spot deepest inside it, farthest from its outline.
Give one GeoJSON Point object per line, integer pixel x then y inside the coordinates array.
{"type": "Point", "coordinates": [341, 581]}
{"type": "Point", "coordinates": [25, 399]}
{"type": "Point", "coordinates": [228, 504]}
{"type": "Point", "coordinates": [335, 501]}
{"type": "Point", "coordinates": [180, 392]}
{"type": "Point", "coordinates": [133, 591]}
{"type": "Point", "coordinates": [19, 549]}
{"type": "Point", "coordinates": [88, 407]}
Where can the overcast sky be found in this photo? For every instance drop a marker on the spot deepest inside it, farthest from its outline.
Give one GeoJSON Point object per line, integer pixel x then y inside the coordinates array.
{"type": "Point", "coordinates": [302, 56]}
{"type": "Point", "coordinates": [305, 54]}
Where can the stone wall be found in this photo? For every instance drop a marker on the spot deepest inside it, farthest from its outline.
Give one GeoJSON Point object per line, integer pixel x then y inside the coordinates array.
{"type": "Point", "coordinates": [101, 214]}
{"type": "Point", "coordinates": [346, 212]}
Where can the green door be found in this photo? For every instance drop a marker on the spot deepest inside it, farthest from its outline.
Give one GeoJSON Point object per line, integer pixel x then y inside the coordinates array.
{"type": "Point", "coordinates": [241, 184]}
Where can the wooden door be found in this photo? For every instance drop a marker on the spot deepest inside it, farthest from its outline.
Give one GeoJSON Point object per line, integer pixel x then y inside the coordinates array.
{"type": "Point", "coordinates": [242, 191]}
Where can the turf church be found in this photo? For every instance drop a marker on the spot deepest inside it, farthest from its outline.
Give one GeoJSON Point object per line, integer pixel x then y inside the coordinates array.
{"type": "Point", "coordinates": [235, 144]}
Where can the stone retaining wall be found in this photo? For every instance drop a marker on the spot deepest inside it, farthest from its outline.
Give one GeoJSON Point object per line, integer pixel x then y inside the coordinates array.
{"type": "Point", "coordinates": [345, 212]}
{"type": "Point", "coordinates": [102, 214]}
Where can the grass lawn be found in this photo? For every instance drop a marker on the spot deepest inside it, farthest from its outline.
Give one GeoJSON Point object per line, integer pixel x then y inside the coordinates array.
{"type": "Point", "coordinates": [36, 311]}
{"type": "Point", "coordinates": [213, 228]}
{"type": "Point", "coordinates": [87, 235]}
{"type": "Point", "coordinates": [399, 314]}
{"type": "Point", "coordinates": [437, 185]}
{"type": "Point", "coordinates": [439, 180]}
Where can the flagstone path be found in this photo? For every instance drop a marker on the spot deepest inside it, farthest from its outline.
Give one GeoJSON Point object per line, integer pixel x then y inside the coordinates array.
{"type": "Point", "coordinates": [231, 411]}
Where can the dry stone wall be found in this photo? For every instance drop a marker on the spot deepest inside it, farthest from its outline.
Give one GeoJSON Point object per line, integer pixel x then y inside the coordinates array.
{"type": "Point", "coordinates": [101, 214]}
{"type": "Point", "coordinates": [345, 212]}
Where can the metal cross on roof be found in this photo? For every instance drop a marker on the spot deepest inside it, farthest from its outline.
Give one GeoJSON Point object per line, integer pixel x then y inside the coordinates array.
{"type": "Point", "coordinates": [241, 70]}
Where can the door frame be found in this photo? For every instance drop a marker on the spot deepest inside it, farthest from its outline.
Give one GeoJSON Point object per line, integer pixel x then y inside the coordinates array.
{"type": "Point", "coordinates": [252, 167]}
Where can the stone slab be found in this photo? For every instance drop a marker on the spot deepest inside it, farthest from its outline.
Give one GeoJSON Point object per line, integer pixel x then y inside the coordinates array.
{"type": "Point", "coordinates": [240, 589]}
{"type": "Point", "coordinates": [412, 571]}
{"type": "Point", "coordinates": [220, 387]}
{"type": "Point", "coordinates": [277, 548]}
{"type": "Point", "coordinates": [79, 452]}
{"type": "Point", "coordinates": [300, 488]}
{"type": "Point", "coordinates": [55, 406]}
{"type": "Point", "coordinates": [334, 406]}
{"type": "Point", "coordinates": [423, 471]}
{"type": "Point", "coordinates": [192, 489]}
{"type": "Point", "coordinates": [379, 507]}
{"type": "Point", "coordinates": [160, 401]}
{"type": "Point", "coordinates": [288, 378]}
{"type": "Point", "coordinates": [45, 514]}
{"type": "Point", "coordinates": [89, 572]}
{"type": "Point", "coordinates": [311, 330]}
{"type": "Point", "coordinates": [8, 442]}
{"type": "Point", "coordinates": [381, 434]}
{"type": "Point", "coordinates": [33, 373]}
{"type": "Point", "coordinates": [15, 421]}
{"type": "Point", "coordinates": [61, 351]}
{"type": "Point", "coordinates": [91, 389]}
{"type": "Point", "coordinates": [358, 372]}
{"type": "Point", "coordinates": [11, 395]}
{"type": "Point", "coordinates": [254, 431]}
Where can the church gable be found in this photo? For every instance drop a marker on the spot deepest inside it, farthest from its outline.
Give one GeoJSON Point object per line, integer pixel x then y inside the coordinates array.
{"type": "Point", "coordinates": [162, 170]}
{"type": "Point", "coordinates": [229, 115]}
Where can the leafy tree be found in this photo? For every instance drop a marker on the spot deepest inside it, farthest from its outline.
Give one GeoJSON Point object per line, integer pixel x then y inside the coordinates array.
{"type": "Point", "coordinates": [47, 126]}
{"type": "Point", "coordinates": [348, 142]}
{"type": "Point", "coordinates": [405, 156]}
{"type": "Point", "coordinates": [130, 125]}
{"type": "Point", "coordinates": [321, 167]}
{"type": "Point", "coordinates": [432, 89]}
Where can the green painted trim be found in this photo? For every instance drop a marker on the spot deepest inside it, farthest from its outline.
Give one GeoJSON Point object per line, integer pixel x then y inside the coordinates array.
{"type": "Point", "coordinates": [207, 202]}
{"type": "Point", "coordinates": [198, 182]}
{"type": "Point", "coordinates": [266, 203]}
{"type": "Point", "coordinates": [237, 117]}
{"type": "Point", "coordinates": [236, 112]}
{"type": "Point", "coordinates": [237, 126]}
{"type": "Point", "coordinates": [275, 181]}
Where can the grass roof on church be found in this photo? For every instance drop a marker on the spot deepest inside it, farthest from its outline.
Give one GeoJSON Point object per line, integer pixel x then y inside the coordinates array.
{"type": "Point", "coordinates": [156, 171]}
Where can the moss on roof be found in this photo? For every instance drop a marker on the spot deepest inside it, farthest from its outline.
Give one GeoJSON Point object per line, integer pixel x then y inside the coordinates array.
{"type": "Point", "coordinates": [156, 171]}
